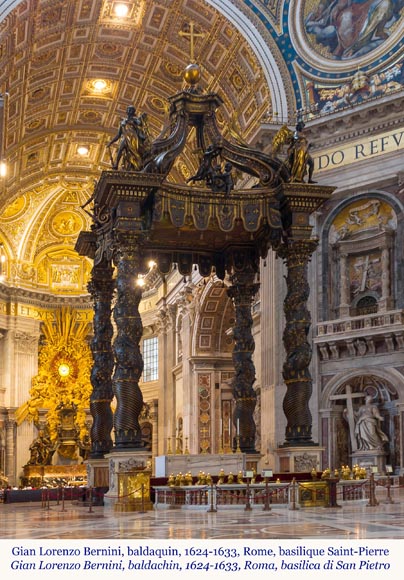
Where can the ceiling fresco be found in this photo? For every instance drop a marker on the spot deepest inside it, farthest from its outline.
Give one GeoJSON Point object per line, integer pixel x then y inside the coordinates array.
{"type": "Point", "coordinates": [70, 68]}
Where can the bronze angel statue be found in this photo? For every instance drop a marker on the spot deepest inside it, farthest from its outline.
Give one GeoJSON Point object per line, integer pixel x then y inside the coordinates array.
{"type": "Point", "coordinates": [134, 141]}
{"type": "Point", "coordinates": [299, 161]}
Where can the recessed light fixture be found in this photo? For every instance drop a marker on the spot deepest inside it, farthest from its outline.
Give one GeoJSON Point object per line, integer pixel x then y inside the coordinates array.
{"type": "Point", "coordinates": [100, 85]}
{"type": "Point", "coordinates": [121, 10]}
{"type": "Point", "coordinates": [82, 150]}
{"type": "Point", "coordinates": [3, 169]}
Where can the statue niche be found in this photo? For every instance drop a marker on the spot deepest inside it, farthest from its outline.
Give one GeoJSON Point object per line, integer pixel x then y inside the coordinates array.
{"type": "Point", "coordinates": [362, 241]}
{"type": "Point", "coordinates": [363, 432]}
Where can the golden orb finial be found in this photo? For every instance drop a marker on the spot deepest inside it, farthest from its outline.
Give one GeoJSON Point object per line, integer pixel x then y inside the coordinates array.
{"type": "Point", "coordinates": [192, 74]}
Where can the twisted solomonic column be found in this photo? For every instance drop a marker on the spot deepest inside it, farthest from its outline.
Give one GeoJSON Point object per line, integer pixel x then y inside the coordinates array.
{"type": "Point", "coordinates": [101, 287]}
{"type": "Point", "coordinates": [242, 292]}
{"type": "Point", "coordinates": [296, 254]}
{"type": "Point", "coordinates": [128, 357]}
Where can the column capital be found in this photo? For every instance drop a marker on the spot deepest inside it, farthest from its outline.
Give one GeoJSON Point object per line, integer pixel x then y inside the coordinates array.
{"type": "Point", "coordinates": [297, 250]}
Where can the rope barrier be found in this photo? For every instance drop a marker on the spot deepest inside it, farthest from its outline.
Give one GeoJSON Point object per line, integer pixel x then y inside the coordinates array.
{"type": "Point", "coordinates": [215, 495]}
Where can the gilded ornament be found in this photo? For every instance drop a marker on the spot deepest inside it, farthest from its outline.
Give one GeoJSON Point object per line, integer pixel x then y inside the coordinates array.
{"type": "Point", "coordinates": [63, 379]}
{"type": "Point", "coordinates": [192, 74]}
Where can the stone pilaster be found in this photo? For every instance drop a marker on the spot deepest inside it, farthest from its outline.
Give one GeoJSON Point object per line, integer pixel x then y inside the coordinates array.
{"type": "Point", "coordinates": [344, 288]}
{"type": "Point", "coordinates": [10, 451]}
{"type": "Point", "coordinates": [165, 325]}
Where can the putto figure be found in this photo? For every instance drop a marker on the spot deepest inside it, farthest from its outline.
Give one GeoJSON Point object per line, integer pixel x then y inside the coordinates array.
{"type": "Point", "coordinates": [134, 141]}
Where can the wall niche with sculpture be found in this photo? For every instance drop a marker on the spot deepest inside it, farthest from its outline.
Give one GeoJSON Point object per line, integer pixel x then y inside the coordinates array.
{"type": "Point", "coordinates": [362, 238]}
{"type": "Point", "coordinates": [365, 427]}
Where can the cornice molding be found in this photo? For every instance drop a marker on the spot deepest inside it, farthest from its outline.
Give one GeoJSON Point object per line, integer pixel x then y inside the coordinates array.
{"type": "Point", "coordinates": [42, 299]}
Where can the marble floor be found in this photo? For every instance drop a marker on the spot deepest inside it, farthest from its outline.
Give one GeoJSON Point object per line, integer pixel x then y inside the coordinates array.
{"type": "Point", "coordinates": [353, 520]}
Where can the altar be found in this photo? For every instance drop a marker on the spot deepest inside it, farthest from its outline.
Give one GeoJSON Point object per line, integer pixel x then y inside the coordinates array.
{"type": "Point", "coordinates": [165, 465]}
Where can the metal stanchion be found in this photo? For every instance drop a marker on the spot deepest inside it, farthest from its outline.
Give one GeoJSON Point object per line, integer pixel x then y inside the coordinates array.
{"type": "Point", "coordinates": [142, 496]}
{"type": "Point", "coordinates": [372, 492]}
{"type": "Point", "coordinates": [267, 506]}
{"type": "Point", "coordinates": [58, 496]}
{"type": "Point", "coordinates": [248, 503]}
{"type": "Point", "coordinates": [42, 498]}
{"type": "Point", "coordinates": [332, 492]}
{"type": "Point", "coordinates": [63, 499]}
{"type": "Point", "coordinates": [90, 499]}
{"type": "Point", "coordinates": [212, 508]}
{"type": "Point", "coordinates": [293, 495]}
{"type": "Point", "coordinates": [47, 500]}
{"type": "Point", "coordinates": [389, 499]}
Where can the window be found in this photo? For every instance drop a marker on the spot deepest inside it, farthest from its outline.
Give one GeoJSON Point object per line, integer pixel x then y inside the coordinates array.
{"type": "Point", "coordinates": [150, 359]}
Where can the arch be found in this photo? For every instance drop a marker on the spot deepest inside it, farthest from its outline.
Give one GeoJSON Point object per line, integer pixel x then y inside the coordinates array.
{"type": "Point", "coordinates": [212, 328]}
{"type": "Point", "coordinates": [365, 303]}
{"type": "Point", "coordinates": [387, 374]}
{"type": "Point", "coordinates": [385, 386]}
{"type": "Point", "coordinates": [7, 6]}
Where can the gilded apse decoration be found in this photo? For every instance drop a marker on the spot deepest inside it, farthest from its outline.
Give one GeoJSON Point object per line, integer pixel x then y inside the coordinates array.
{"type": "Point", "coordinates": [63, 379]}
{"type": "Point", "coordinates": [67, 223]}
{"type": "Point", "coordinates": [361, 216]}
{"type": "Point", "coordinates": [14, 209]}
{"type": "Point", "coordinates": [41, 449]}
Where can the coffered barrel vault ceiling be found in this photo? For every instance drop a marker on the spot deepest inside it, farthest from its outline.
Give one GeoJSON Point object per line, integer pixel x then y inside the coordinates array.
{"type": "Point", "coordinates": [54, 55]}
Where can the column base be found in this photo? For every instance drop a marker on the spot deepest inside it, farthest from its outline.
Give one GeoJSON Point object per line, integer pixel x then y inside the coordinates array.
{"type": "Point", "coordinates": [299, 459]}
{"type": "Point", "coordinates": [129, 481]}
{"type": "Point", "coordinates": [97, 472]}
{"type": "Point", "coordinates": [374, 460]}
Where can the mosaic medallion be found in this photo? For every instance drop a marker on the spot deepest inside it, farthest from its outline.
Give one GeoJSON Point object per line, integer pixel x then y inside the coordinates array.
{"type": "Point", "coordinates": [346, 30]}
